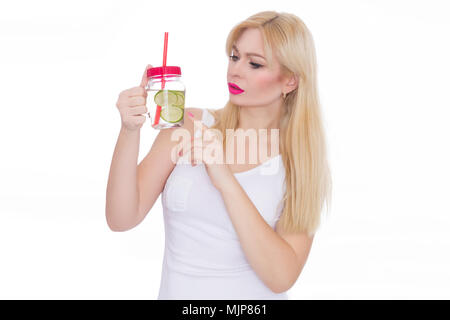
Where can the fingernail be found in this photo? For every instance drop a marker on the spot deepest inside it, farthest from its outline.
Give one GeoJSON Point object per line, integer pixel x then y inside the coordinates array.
{"type": "Point", "coordinates": [190, 114]}
{"type": "Point", "coordinates": [179, 153]}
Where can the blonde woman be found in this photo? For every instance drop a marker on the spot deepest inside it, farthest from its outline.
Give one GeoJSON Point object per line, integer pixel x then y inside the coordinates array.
{"type": "Point", "coordinates": [233, 229]}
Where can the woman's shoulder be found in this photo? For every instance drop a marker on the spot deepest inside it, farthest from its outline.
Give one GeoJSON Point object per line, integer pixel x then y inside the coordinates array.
{"type": "Point", "coordinates": [207, 115]}
{"type": "Point", "coordinates": [197, 112]}
{"type": "Point", "coordinates": [187, 124]}
{"type": "Point", "coordinates": [214, 112]}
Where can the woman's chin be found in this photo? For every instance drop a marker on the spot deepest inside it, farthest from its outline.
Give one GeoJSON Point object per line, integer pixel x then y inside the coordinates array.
{"type": "Point", "coordinates": [235, 98]}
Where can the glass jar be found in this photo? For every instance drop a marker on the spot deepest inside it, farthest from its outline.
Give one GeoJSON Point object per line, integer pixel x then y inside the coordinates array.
{"type": "Point", "coordinates": [166, 95]}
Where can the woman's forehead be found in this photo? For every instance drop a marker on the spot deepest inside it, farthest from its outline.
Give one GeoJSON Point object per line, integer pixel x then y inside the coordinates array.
{"type": "Point", "coordinates": [250, 40]}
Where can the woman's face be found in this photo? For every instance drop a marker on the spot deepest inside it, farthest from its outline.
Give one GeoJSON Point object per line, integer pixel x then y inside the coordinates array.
{"type": "Point", "coordinates": [262, 86]}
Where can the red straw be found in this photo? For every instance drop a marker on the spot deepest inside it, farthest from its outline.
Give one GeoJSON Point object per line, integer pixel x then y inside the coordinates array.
{"type": "Point", "coordinates": [158, 108]}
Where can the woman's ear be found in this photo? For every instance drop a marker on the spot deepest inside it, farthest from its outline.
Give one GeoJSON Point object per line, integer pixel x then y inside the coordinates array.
{"type": "Point", "coordinates": [292, 83]}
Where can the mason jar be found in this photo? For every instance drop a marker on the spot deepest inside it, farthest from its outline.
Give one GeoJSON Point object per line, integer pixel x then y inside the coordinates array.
{"type": "Point", "coordinates": [166, 96]}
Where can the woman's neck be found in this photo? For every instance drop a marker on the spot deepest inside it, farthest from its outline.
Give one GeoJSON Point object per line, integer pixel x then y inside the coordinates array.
{"type": "Point", "coordinates": [259, 117]}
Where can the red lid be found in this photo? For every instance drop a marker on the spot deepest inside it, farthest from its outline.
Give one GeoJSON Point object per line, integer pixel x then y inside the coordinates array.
{"type": "Point", "coordinates": [167, 70]}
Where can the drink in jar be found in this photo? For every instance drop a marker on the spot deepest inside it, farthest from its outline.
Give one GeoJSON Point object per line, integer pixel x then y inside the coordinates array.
{"type": "Point", "coordinates": [166, 97]}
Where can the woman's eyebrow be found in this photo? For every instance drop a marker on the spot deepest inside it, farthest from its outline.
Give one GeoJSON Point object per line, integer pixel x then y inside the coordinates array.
{"type": "Point", "coordinates": [249, 53]}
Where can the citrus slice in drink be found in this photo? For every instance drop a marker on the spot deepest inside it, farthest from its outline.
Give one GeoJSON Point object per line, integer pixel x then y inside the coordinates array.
{"type": "Point", "coordinates": [166, 98]}
{"type": "Point", "coordinates": [180, 100]}
{"type": "Point", "coordinates": [172, 114]}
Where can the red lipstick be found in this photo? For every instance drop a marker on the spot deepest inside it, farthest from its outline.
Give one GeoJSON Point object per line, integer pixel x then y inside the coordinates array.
{"type": "Point", "coordinates": [234, 88]}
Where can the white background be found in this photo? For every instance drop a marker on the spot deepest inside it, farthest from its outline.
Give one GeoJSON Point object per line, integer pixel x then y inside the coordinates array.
{"type": "Point", "coordinates": [383, 80]}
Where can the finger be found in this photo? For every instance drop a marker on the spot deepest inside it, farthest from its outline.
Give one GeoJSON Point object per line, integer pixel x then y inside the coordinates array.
{"type": "Point", "coordinates": [197, 151]}
{"type": "Point", "coordinates": [140, 119]}
{"type": "Point", "coordinates": [187, 146]}
{"type": "Point", "coordinates": [196, 155]}
{"type": "Point", "coordinates": [135, 91]}
{"type": "Point", "coordinates": [184, 147]}
{"type": "Point", "coordinates": [136, 101]}
{"type": "Point", "coordinates": [137, 110]}
{"type": "Point", "coordinates": [144, 79]}
{"type": "Point", "coordinates": [203, 126]}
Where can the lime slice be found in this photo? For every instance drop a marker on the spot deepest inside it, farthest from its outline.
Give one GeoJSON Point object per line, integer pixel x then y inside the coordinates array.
{"type": "Point", "coordinates": [180, 100]}
{"type": "Point", "coordinates": [172, 114]}
{"type": "Point", "coordinates": [165, 98]}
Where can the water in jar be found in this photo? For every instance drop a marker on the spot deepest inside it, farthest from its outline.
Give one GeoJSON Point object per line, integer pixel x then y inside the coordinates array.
{"type": "Point", "coordinates": [172, 108]}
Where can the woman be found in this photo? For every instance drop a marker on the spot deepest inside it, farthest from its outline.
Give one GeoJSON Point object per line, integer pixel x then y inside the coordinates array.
{"type": "Point", "coordinates": [233, 230]}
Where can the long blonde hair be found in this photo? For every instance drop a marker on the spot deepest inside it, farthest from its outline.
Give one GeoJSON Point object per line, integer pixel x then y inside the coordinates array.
{"type": "Point", "coordinates": [302, 137]}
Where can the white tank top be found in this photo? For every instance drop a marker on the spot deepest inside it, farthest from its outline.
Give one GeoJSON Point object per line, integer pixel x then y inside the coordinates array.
{"type": "Point", "coordinates": [203, 258]}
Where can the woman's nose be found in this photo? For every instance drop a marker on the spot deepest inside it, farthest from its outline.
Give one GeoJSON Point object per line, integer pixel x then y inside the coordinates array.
{"type": "Point", "coordinates": [235, 68]}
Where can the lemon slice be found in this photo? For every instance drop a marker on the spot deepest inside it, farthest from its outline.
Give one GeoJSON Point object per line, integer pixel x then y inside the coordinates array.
{"type": "Point", "coordinates": [172, 114]}
{"type": "Point", "coordinates": [165, 98]}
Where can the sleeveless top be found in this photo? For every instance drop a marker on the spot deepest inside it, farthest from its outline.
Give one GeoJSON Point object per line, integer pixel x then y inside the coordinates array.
{"type": "Point", "coordinates": [203, 258]}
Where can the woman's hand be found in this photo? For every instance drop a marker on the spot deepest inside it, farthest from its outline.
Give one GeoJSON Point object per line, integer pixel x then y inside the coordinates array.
{"type": "Point", "coordinates": [207, 148]}
{"type": "Point", "coordinates": [132, 105]}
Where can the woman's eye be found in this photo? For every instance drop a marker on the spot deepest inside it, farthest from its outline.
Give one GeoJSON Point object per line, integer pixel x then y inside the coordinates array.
{"type": "Point", "coordinates": [254, 65]}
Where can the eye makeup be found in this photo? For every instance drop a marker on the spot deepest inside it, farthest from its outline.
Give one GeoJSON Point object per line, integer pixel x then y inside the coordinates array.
{"type": "Point", "coordinates": [254, 65]}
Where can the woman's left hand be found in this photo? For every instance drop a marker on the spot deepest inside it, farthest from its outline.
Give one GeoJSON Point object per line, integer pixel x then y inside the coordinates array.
{"type": "Point", "coordinates": [207, 148]}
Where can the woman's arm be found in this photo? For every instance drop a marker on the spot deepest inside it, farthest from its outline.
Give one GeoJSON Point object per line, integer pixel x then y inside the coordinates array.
{"type": "Point", "coordinates": [122, 194]}
{"type": "Point", "coordinates": [276, 256]}
{"type": "Point", "coordinates": [276, 260]}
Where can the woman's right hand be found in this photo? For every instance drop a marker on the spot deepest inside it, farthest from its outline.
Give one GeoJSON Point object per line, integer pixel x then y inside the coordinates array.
{"type": "Point", "coordinates": [132, 105]}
